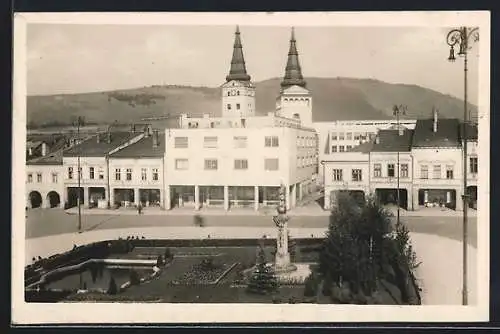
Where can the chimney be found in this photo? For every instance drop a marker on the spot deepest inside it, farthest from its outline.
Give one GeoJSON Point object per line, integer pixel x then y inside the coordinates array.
{"type": "Point", "coordinates": [98, 138]}
{"type": "Point", "coordinates": [108, 137]}
{"type": "Point", "coordinates": [44, 149]}
{"type": "Point", "coordinates": [377, 139]}
{"type": "Point", "coordinates": [146, 131]}
{"type": "Point", "coordinates": [435, 121]}
{"type": "Point", "coordinates": [132, 128]}
{"type": "Point", "coordinates": [155, 139]}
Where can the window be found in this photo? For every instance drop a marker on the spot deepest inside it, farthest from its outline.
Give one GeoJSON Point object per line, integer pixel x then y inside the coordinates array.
{"type": "Point", "coordinates": [377, 170]}
{"type": "Point", "coordinates": [271, 141]}
{"type": "Point", "coordinates": [54, 177]}
{"type": "Point", "coordinates": [390, 170]}
{"type": "Point", "coordinates": [449, 172]}
{"type": "Point", "coordinates": [337, 175]}
{"type": "Point", "coordinates": [228, 105]}
{"type": "Point", "coordinates": [334, 149]}
{"type": "Point", "coordinates": [30, 178]}
{"type": "Point", "coordinates": [341, 148]}
{"type": "Point", "coordinates": [39, 177]}
{"type": "Point", "coordinates": [241, 164]}
{"type": "Point", "coordinates": [91, 173]}
{"type": "Point", "coordinates": [473, 165]}
{"type": "Point", "coordinates": [436, 172]}
{"type": "Point", "coordinates": [211, 164]}
{"type": "Point", "coordinates": [144, 174]}
{"type": "Point", "coordinates": [404, 170]}
{"type": "Point", "coordinates": [240, 142]}
{"type": "Point", "coordinates": [348, 135]}
{"type": "Point", "coordinates": [155, 174]}
{"type": "Point", "coordinates": [238, 92]}
{"type": "Point", "coordinates": [237, 106]}
{"type": "Point", "coordinates": [70, 173]}
{"type": "Point", "coordinates": [101, 173]}
{"type": "Point", "coordinates": [424, 172]}
{"type": "Point", "coordinates": [129, 174]}
{"type": "Point", "coordinates": [341, 136]}
{"type": "Point", "coordinates": [181, 164]}
{"type": "Point", "coordinates": [348, 148]}
{"type": "Point", "coordinates": [334, 135]}
{"type": "Point", "coordinates": [118, 175]}
{"type": "Point", "coordinates": [356, 175]}
{"type": "Point", "coordinates": [210, 142]}
{"type": "Point", "coordinates": [181, 142]}
{"type": "Point", "coordinates": [356, 136]}
{"type": "Point", "coordinates": [271, 164]}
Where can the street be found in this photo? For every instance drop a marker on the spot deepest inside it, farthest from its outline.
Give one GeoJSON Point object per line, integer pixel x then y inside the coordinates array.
{"type": "Point", "coordinates": [44, 222]}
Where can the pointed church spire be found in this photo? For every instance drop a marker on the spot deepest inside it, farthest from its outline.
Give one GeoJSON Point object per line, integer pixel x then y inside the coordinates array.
{"type": "Point", "coordinates": [293, 72]}
{"type": "Point", "coordinates": [238, 69]}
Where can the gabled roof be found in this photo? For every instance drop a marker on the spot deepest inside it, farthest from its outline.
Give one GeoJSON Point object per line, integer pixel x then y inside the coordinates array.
{"type": "Point", "coordinates": [91, 148]}
{"type": "Point", "coordinates": [55, 158]}
{"type": "Point", "coordinates": [392, 141]}
{"type": "Point", "coordinates": [143, 149]}
{"type": "Point", "coordinates": [363, 147]}
{"type": "Point", "coordinates": [447, 134]}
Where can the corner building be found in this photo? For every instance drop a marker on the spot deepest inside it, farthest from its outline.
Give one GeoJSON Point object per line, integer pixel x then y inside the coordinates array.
{"type": "Point", "coordinates": [240, 159]}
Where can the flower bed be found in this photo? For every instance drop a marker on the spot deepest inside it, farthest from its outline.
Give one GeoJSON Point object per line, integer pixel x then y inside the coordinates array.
{"type": "Point", "coordinates": [201, 275]}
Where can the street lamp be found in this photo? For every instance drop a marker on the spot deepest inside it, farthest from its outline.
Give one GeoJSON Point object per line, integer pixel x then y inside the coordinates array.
{"type": "Point", "coordinates": [398, 110]}
{"type": "Point", "coordinates": [461, 37]}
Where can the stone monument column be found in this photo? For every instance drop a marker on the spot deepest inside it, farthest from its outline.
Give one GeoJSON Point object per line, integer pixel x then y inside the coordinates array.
{"type": "Point", "coordinates": [282, 260]}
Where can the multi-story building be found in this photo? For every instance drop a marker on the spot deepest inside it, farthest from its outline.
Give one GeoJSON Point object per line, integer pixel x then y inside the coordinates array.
{"type": "Point", "coordinates": [44, 181]}
{"type": "Point", "coordinates": [240, 159]}
{"type": "Point", "coordinates": [430, 166]}
{"type": "Point", "coordinates": [93, 156]}
{"type": "Point", "coordinates": [136, 172]}
{"type": "Point", "coordinates": [344, 136]}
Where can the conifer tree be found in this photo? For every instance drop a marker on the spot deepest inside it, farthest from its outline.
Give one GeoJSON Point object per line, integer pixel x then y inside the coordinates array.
{"type": "Point", "coordinates": [263, 280]}
{"type": "Point", "coordinates": [112, 289]}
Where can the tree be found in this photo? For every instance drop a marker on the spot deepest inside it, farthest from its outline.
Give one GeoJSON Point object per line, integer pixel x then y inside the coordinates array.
{"type": "Point", "coordinates": [263, 280]}
{"type": "Point", "coordinates": [357, 252]}
{"type": "Point", "coordinates": [112, 289]}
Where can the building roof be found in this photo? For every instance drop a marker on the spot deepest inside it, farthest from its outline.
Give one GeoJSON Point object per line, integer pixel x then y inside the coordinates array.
{"type": "Point", "coordinates": [447, 134]}
{"type": "Point", "coordinates": [391, 141]}
{"type": "Point", "coordinates": [143, 149]}
{"type": "Point", "coordinates": [471, 131]}
{"type": "Point", "coordinates": [363, 147]}
{"type": "Point", "coordinates": [238, 70]}
{"type": "Point", "coordinates": [293, 72]}
{"type": "Point", "coordinates": [55, 158]}
{"type": "Point", "coordinates": [91, 148]}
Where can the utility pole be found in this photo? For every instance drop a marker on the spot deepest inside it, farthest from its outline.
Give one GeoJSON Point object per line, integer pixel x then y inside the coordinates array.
{"type": "Point", "coordinates": [79, 122]}
{"type": "Point", "coordinates": [398, 110]}
{"type": "Point", "coordinates": [460, 37]}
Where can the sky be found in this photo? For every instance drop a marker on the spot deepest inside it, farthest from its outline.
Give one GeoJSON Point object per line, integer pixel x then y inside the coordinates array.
{"type": "Point", "coordinates": [78, 58]}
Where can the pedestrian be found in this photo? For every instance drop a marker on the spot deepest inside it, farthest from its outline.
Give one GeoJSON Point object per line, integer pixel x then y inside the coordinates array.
{"type": "Point", "coordinates": [139, 208]}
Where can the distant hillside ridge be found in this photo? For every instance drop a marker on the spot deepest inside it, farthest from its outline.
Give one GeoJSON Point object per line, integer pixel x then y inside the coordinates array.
{"type": "Point", "coordinates": [333, 99]}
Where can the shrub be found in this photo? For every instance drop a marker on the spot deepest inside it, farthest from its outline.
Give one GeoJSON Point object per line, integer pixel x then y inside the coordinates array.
{"type": "Point", "coordinates": [168, 254]}
{"type": "Point", "coordinates": [311, 285]}
{"type": "Point", "coordinates": [159, 261]}
{"type": "Point", "coordinates": [134, 277]}
{"type": "Point", "coordinates": [112, 289]}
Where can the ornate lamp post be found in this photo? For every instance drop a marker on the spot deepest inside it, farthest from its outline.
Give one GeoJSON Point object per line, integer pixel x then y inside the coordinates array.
{"type": "Point", "coordinates": [463, 37]}
{"type": "Point", "coordinates": [398, 110]}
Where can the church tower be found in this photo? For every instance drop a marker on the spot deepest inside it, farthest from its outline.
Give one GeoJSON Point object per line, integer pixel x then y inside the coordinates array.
{"type": "Point", "coordinates": [238, 92]}
{"type": "Point", "coordinates": [295, 100]}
